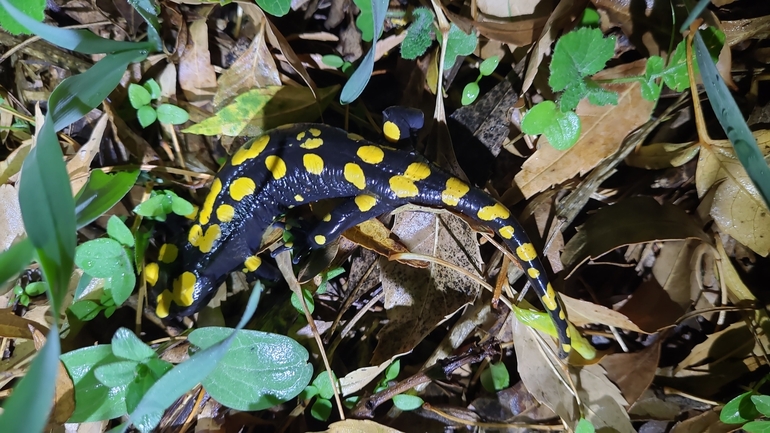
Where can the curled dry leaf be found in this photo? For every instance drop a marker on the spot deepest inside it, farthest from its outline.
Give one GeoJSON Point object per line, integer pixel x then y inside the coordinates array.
{"type": "Point", "coordinates": [603, 131]}
{"type": "Point", "coordinates": [737, 207]}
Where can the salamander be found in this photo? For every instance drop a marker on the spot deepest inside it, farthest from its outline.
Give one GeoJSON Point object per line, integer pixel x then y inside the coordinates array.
{"type": "Point", "coordinates": [302, 163]}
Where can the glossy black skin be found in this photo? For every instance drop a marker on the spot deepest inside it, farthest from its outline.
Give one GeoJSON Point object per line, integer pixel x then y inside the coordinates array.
{"type": "Point", "coordinates": [240, 238]}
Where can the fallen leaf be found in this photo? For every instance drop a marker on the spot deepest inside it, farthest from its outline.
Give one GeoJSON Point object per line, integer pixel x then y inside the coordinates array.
{"type": "Point", "coordinates": [196, 74]}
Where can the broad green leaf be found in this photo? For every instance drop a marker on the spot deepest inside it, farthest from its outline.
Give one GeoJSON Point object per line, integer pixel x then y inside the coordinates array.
{"type": "Point", "coordinates": [407, 402]}
{"type": "Point", "coordinates": [36, 288]}
{"type": "Point", "coordinates": [365, 20]}
{"type": "Point", "coordinates": [85, 310]}
{"type": "Point", "coordinates": [333, 60]}
{"type": "Point", "coordinates": [297, 304]}
{"type": "Point", "coordinates": [128, 346]}
{"type": "Point", "coordinates": [149, 11]}
{"type": "Point", "coordinates": [761, 402]}
{"type": "Point", "coordinates": [458, 44]}
{"type": "Point", "coordinates": [35, 9]}
{"type": "Point", "coordinates": [172, 114]}
{"type": "Point", "coordinates": [496, 377]}
{"type": "Point", "coordinates": [739, 410]}
{"type": "Point", "coordinates": [276, 8]}
{"type": "Point", "coordinates": [675, 74]}
{"type": "Point", "coordinates": [93, 400]}
{"type": "Point", "coordinates": [116, 374]}
{"type": "Point", "coordinates": [138, 96]}
{"type": "Point", "coordinates": [101, 193]}
{"type": "Point", "coordinates": [562, 129]}
{"type": "Point", "coordinates": [419, 35]}
{"type": "Point", "coordinates": [146, 115]}
{"type": "Point", "coordinates": [265, 369]}
{"type": "Point", "coordinates": [100, 257]}
{"type": "Point", "coordinates": [757, 427]}
{"type": "Point", "coordinates": [360, 78]}
{"type": "Point", "coordinates": [181, 206]}
{"type": "Point", "coordinates": [117, 229]}
{"type": "Point", "coordinates": [153, 88]}
{"type": "Point", "coordinates": [324, 385]}
{"type": "Point", "coordinates": [15, 259]}
{"type": "Point", "coordinates": [27, 409]}
{"type": "Point", "coordinates": [321, 409]}
{"type": "Point", "coordinates": [391, 373]}
{"type": "Point", "coordinates": [577, 55]}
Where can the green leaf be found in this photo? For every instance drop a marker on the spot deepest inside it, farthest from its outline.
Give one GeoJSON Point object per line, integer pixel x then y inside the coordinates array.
{"type": "Point", "coordinates": [85, 310]}
{"type": "Point", "coordinates": [297, 304]}
{"type": "Point", "coordinates": [27, 409]}
{"type": "Point", "coordinates": [584, 426]}
{"type": "Point", "coordinates": [757, 427]}
{"type": "Point", "coordinates": [128, 346]}
{"type": "Point", "coordinates": [106, 258]}
{"type": "Point", "coordinates": [138, 96]}
{"type": "Point", "coordinates": [762, 403]}
{"type": "Point", "coordinates": [15, 259]}
{"type": "Point", "coordinates": [731, 119]}
{"type": "Point", "coordinates": [117, 229]}
{"type": "Point", "coordinates": [35, 9]}
{"type": "Point", "coordinates": [419, 35]}
{"type": "Point", "coordinates": [598, 95]}
{"type": "Point", "coordinates": [95, 402]}
{"type": "Point", "coordinates": [266, 369]}
{"type": "Point", "coordinates": [324, 385]}
{"type": "Point", "coordinates": [101, 193]}
{"type": "Point", "coordinates": [276, 8]}
{"type": "Point", "coordinates": [561, 129]}
{"type": "Point", "coordinates": [36, 288]}
{"type": "Point", "coordinates": [116, 374]}
{"type": "Point", "coordinates": [470, 93]}
{"type": "Point", "coordinates": [172, 114]}
{"type": "Point", "coordinates": [332, 60]}
{"type": "Point", "coordinates": [739, 410]}
{"type": "Point", "coordinates": [651, 89]}
{"type": "Point", "coordinates": [590, 18]}
{"type": "Point", "coordinates": [152, 87]}
{"type": "Point", "coordinates": [360, 78]}
{"type": "Point", "coordinates": [407, 402]}
{"type": "Point", "coordinates": [496, 377]}
{"type": "Point", "coordinates": [675, 74]}
{"type": "Point", "coordinates": [321, 409]}
{"type": "Point", "coordinates": [365, 19]}
{"type": "Point", "coordinates": [489, 65]}
{"type": "Point", "coordinates": [577, 55]}
{"type": "Point", "coordinates": [146, 115]}
{"type": "Point", "coordinates": [149, 11]}
{"type": "Point", "coordinates": [391, 373]}
{"type": "Point", "coordinates": [458, 44]}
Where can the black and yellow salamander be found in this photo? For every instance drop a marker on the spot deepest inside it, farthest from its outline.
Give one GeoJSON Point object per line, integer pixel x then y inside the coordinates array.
{"type": "Point", "coordinates": [303, 163]}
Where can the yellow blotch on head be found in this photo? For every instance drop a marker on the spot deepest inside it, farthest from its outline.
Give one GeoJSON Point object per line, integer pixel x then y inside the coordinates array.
{"type": "Point", "coordinates": [506, 232]}
{"type": "Point", "coordinates": [225, 213]}
{"type": "Point", "coordinates": [208, 204]}
{"type": "Point", "coordinates": [370, 154]}
{"type": "Point", "coordinates": [195, 234]}
{"type": "Point", "coordinates": [151, 272]}
{"type": "Point", "coordinates": [276, 166]}
{"type": "Point", "coordinates": [417, 171]}
{"type": "Point", "coordinates": [355, 175]}
{"type": "Point", "coordinates": [164, 304]}
{"type": "Point", "coordinates": [549, 299]}
{"type": "Point", "coordinates": [526, 252]}
{"type": "Point", "coordinates": [365, 202]}
{"type": "Point", "coordinates": [168, 253]}
{"type": "Point", "coordinates": [250, 150]}
{"type": "Point", "coordinates": [403, 187]}
{"type": "Point", "coordinates": [455, 190]}
{"type": "Point", "coordinates": [533, 273]}
{"type": "Point", "coordinates": [312, 143]}
{"type": "Point", "coordinates": [299, 198]}
{"type": "Point", "coordinates": [566, 348]}
{"type": "Point", "coordinates": [184, 287]}
{"type": "Point", "coordinates": [315, 132]}
{"type": "Point", "coordinates": [327, 218]}
{"type": "Point", "coordinates": [242, 187]}
{"type": "Point", "coordinates": [320, 239]}
{"type": "Point", "coordinates": [252, 263]}
{"type": "Point", "coordinates": [205, 242]}
{"type": "Point", "coordinates": [314, 164]}
{"type": "Point", "coordinates": [489, 213]}
{"type": "Point", "coordinates": [391, 131]}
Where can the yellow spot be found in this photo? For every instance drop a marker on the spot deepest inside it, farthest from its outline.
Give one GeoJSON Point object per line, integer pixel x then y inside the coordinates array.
{"type": "Point", "coordinates": [225, 213]}
{"type": "Point", "coordinates": [455, 190]}
{"type": "Point", "coordinates": [562, 316]}
{"type": "Point", "coordinates": [371, 154]}
{"type": "Point", "coordinates": [549, 299]}
{"type": "Point", "coordinates": [526, 252]}
{"type": "Point", "coordinates": [241, 187]}
{"type": "Point", "coordinates": [567, 332]}
{"type": "Point", "coordinates": [315, 132]}
{"type": "Point", "coordinates": [312, 143]}
{"type": "Point", "coordinates": [566, 348]}
{"type": "Point", "coordinates": [208, 204]}
{"type": "Point", "coordinates": [193, 214]}
{"type": "Point", "coordinates": [314, 164]}
{"type": "Point", "coordinates": [206, 242]}
{"type": "Point", "coordinates": [533, 273]}
{"type": "Point", "coordinates": [355, 175]}
{"type": "Point", "coordinates": [250, 150]}
{"type": "Point", "coordinates": [195, 234]}
{"type": "Point", "coordinates": [168, 253]}
{"type": "Point", "coordinates": [301, 136]}
{"type": "Point", "coordinates": [355, 137]}
{"type": "Point", "coordinates": [488, 213]}
{"type": "Point", "coordinates": [164, 304]}
{"type": "Point", "coordinates": [276, 166]}
{"type": "Point", "coordinates": [403, 187]}
{"type": "Point", "coordinates": [299, 198]}
{"type": "Point", "coordinates": [151, 271]}
{"type": "Point", "coordinates": [252, 263]}
{"type": "Point", "coordinates": [327, 218]}
{"type": "Point", "coordinates": [184, 287]}
{"type": "Point", "coordinates": [506, 232]}
{"type": "Point", "coordinates": [365, 202]}
{"type": "Point", "coordinates": [320, 239]}
{"type": "Point", "coordinates": [391, 131]}
{"type": "Point", "coordinates": [417, 171]}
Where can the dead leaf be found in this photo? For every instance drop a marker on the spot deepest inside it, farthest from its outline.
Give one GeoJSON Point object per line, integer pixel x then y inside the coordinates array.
{"type": "Point", "coordinates": [582, 313]}
{"type": "Point", "coordinates": [79, 166]}
{"type": "Point", "coordinates": [633, 372]}
{"type": "Point", "coordinates": [196, 74]}
{"type": "Point", "coordinates": [11, 224]}
{"type": "Point", "coordinates": [707, 422]}
{"type": "Point", "coordinates": [358, 426]}
{"type": "Point", "coordinates": [750, 28]}
{"type": "Point", "coordinates": [603, 130]}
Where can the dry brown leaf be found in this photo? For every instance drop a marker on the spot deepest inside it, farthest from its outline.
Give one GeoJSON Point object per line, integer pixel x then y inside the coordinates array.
{"type": "Point", "coordinates": [512, 8]}
{"type": "Point", "coordinates": [520, 33]}
{"type": "Point", "coordinates": [724, 343]}
{"type": "Point", "coordinates": [707, 422]}
{"type": "Point", "coordinates": [582, 313]}
{"type": "Point", "coordinates": [418, 300]}
{"type": "Point", "coordinates": [602, 133]}
{"type": "Point", "coordinates": [633, 372]}
{"type": "Point", "coordinates": [737, 208]}
{"type": "Point", "coordinates": [196, 74]}
{"type": "Point", "coordinates": [751, 28]}
{"type": "Point", "coordinates": [358, 426]}
{"type": "Point", "coordinates": [11, 224]}
{"type": "Point", "coordinates": [79, 166]}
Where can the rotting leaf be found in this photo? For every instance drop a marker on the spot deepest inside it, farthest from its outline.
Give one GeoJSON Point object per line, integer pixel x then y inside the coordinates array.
{"type": "Point", "coordinates": [196, 74]}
